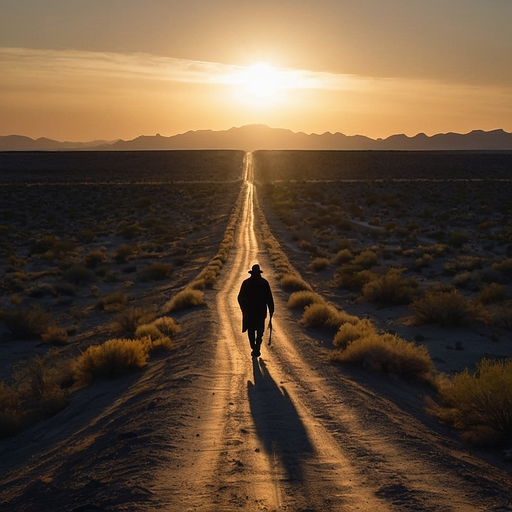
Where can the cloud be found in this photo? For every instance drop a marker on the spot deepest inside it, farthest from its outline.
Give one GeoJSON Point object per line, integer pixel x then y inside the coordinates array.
{"type": "Point", "coordinates": [142, 66]}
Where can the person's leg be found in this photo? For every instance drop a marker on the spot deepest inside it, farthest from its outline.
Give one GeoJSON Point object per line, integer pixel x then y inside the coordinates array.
{"type": "Point", "coordinates": [252, 339]}
{"type": "Point", "coordinates": [259, 339]}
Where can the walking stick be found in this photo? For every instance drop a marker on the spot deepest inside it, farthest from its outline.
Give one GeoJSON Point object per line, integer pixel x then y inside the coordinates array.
{"type": "Point", "coordinates": [270, 331]}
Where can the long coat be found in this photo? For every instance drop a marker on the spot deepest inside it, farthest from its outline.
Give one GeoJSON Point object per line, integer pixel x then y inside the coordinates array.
{"type": "Point", "coordinates": [254, 298]}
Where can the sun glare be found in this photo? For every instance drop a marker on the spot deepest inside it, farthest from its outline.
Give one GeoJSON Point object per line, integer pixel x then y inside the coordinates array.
{"type": "Point", "coordinates": [262, 80]}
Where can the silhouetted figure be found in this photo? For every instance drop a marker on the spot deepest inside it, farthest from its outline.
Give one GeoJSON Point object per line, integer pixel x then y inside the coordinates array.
{"type": "Point", "coordinates": [254, 298]}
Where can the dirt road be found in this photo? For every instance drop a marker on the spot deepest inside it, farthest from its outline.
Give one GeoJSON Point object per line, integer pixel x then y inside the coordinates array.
{"type": "Point", "coordinates": [286, 432]}
{"type": "Point", "coordinates": [211, 429]}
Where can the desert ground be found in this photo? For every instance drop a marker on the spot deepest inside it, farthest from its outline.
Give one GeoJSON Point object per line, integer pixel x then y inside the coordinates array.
{"type": "Point", "coordinates": [202, 425]}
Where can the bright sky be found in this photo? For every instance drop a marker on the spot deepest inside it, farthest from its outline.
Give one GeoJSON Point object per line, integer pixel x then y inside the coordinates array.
{"type": "Point", "coordinates": [107, 69]}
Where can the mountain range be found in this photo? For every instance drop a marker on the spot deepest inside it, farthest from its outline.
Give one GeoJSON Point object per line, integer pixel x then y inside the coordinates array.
{"type": "Point", "coordinates": [253, 137]}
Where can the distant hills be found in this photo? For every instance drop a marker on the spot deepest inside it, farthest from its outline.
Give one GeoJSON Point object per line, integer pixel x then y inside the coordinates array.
{"type": "Point", "coordinates": [253, 137]}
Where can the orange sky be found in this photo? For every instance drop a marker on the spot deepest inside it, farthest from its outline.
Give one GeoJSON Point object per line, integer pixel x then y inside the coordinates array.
{"type": "Point", "coordinates": [90, 70]}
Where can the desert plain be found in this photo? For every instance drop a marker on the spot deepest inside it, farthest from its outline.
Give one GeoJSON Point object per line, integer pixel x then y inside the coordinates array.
{"type": "Point", "coordinates": [149, 248]}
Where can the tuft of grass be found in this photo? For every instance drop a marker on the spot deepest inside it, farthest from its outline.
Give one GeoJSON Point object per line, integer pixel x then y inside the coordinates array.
{"type": "Point", "coordinates": [319, 264]}
{"type": "Point", "coordinates": [447, 308]}
{"type": "Point", "coordinates": [479, 404]}
{"type": "Point", "coordinates": [187, 298]}
{"type": "Point", "coordinates": [150, 331]}
{"type": "Point", "coordinates": [293, 282]}
{"type": "Point", "coordinates": [167, 326]}
{"type": "Point", "coordinates": [299, 300]}
{"type": "Point", "coordinates": [111, 359]}
{"type": "Point", "coordinates": [386, 353]}
{"type": "Point", "coordinates": [154, 339]}
{"type": "Point", "coordinates": [126, 322]}
{"type": "Point", "coordinates": [321, 315]}
{"type": "Point", "coordinates": [342, 256]}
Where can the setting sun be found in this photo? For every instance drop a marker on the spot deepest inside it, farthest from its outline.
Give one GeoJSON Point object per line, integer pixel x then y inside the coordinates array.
{"type": "Point", "coordinates": [259, 85]}
{"type": "Point", "coordinates": [262, 80]}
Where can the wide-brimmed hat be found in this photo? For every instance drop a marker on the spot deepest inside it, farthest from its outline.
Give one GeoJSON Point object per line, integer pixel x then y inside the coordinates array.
{"type": "Point", "coordinates": [256, 270]}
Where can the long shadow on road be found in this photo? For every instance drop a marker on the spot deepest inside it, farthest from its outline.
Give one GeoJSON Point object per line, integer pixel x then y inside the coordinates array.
{"type": "Point", "coordinates": [277, 422]}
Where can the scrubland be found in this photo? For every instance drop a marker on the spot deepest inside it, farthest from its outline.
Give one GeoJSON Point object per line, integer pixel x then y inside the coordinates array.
{"type": "Point", "coordinates": [97, 255]}
{"type": "Point", "coordinates": [402, 264]}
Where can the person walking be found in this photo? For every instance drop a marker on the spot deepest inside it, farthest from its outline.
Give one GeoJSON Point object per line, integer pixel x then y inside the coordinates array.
{"type": "Point", "coordinates": [254, 298]}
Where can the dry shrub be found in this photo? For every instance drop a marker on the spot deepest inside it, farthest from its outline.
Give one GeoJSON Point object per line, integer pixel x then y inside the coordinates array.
{"type": "Point", "coordinates": [293, 282]}
{"type": "Point", "coordinates": [206, 279]}
{"type": "Point", "coordinates": [26, 324]}
{"type": "Point", "coordinates": [349, 332]}
{"type": "Point", "coordinates": [320, 264]}
{"type": "Point", "coordinates": [492, 294]}
{"type": "Point", "coordinates": [114, 358]}
{"type": "Point", "coordinates": [126, 322]}
{"type": "Point", "coordinates": [187, 298]}
{"type": "Point", "coordinates": [40, 383]}
{"type": "Point", "coordinates": [480, 404]}
{"type": "Point", "coordinates": [391, 288]}
{"type": "Point", "coordinates": [503, 315]}
{"type": "Point", "coordinates": [447, 308]}
{"type": "Point", "coordinates": [167, 326]}
{"type": "Point", "coordinates": [158, 345]}
{"type": "Point", "coordinates": [422, 262]}
{"type": "Point", "coordinates": [150, 331]}
{"type": "Point", "coordinates": [157, 334]}
{"type": "Point", "coordinates": [43, 245]}
{"type": "Point", "coordinates": [457, 239]}
{"type": "Point", "coordinates": [113, 303]}
{"type": "Point", "coordinates": [321, 315]}
{"type": "Point", "coordinates": [42, 289]}
{"type": "Point", "coordinates": [366, 260]}
{"type": "Point", "coordinates": [386, 353]}
{"type": "Point", "coordinates": [10, 415]}
{"type": "Point", "coordinates": [345, 318]}
{"type": "Point", "coordinates": [156, 271]}
{"type": "Point", "coordinates": [464, 279]}
{"type": "Point", "coordinates": [465, 262]}
{"type": "Point", "coordinates": [55, 335]}
{"type": "Point", "coordinates": [79, 275]}
{"type": "Point", "coordinates": [352, 277]}
{"type": "Point", "coordinates": [299, 300]}
{"type": "Point", "coordinates": [342, 256]}
{"type": "Point", "coordinates": [198, 284]}
{"type": "Point", "coordinates": [95, 258]}
{"type": "Point", "coordinates": [504, 266]}
{"type": "Point", "coordinates": [124, 252]}
{"type": "Point", "coordinates": [129, 231]}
